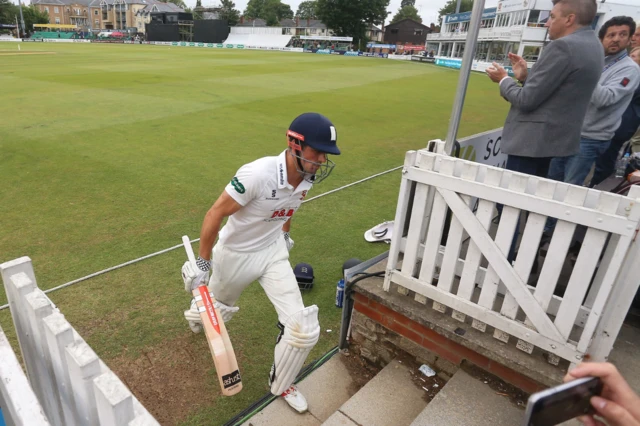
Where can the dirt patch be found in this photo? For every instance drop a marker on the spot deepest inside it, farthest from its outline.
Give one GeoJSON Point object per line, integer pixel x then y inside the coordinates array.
{"type": "Point", "coordinates": [359, 369]}
{"type": "Point", "coordinates": [515, 395]}
{"type": "Point", "coordinates": [167, 379]}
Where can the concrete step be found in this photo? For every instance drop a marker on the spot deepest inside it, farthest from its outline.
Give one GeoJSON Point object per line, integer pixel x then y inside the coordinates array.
{"type": "Point", "coordinates": [391, 396]}
{"type": "Point", "coordinates": [326, 389]}
{"type": "Point", "coordinates": [466, 401]}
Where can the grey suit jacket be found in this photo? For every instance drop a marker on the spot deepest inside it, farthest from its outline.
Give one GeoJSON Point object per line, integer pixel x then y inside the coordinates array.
{"type": "Point", "coordinates": [547, 112]}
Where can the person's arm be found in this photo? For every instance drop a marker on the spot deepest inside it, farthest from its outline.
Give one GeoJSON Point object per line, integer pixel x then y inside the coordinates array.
{"type": "Point", "coordinates": [223, 207]}
{"type": "Point", "coordinates": [618, 85]}
{"type": "Point", "coordinates": [287, 225]}
{"type": "Point", "coordinates": [549, 73]}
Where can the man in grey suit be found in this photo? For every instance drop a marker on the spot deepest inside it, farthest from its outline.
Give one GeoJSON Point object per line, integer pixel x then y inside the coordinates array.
{"type": "Point", "coordinates": [550, 103]}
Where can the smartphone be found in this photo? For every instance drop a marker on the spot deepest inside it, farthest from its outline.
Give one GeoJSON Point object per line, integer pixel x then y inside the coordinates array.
{"type": "Point", "coordinates": [563, 402]}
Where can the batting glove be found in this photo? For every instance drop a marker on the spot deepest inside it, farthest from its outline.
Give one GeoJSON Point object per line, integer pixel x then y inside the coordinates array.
{"type": "Point", "coordinates": [288, 240]}
{"type": "Point", "coordinates": [195, 276]}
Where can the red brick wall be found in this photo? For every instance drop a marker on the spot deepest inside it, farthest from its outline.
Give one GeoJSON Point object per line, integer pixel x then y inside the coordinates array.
{"type": "Point", "coordinates": [438, 344]}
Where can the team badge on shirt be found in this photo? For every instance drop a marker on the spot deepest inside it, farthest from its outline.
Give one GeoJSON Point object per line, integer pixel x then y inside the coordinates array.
{"type": "Point", "coordinates": [237, 185]}
{"type": "Point", "coordinates": [625, 81]}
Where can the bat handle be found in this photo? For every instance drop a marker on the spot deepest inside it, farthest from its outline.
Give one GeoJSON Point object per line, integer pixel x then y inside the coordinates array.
{"type": "Point", "coordinates": [187, 247]}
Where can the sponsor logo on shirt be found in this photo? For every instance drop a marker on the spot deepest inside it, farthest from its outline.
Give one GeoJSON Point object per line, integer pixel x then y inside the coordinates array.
{"type": "Point", "coordinates": [281, 214]}
{"type": "Point", "coordinates": [237, 185]}
{"type": "Point", "coordinates": [304, 194]}
{"type": "Point", "coordinates": [625, 81]}
{"type": "Point", "coordinates": [273, 195]}
{"type": "Point", "coordinates": [281, 174]}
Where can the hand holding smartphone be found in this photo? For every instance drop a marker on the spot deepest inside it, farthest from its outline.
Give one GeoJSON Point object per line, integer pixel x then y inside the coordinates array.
{"type": "Point", "coordinates": [563, 402]}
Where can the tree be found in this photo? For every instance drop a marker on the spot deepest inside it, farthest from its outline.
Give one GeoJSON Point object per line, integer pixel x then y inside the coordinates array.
{"type": "Point", "coordinates": [404, 3]}
{"type": "Point", "coordinates": [8, 11]}
{"type": "Point", "coordinates": [272, 11]}
{"type": "Point", "coordinates": [307, 10]}
{"type": "Point", "coordinates": [352, 17]}
{"type": "Point", "coordinates": [179, 3]}
{"type": "Point", "coordinates": [229, 12]}
{"type": "Point", "coordinates": [450, 7]}
{"type": "Point", "coordinates": [406, 12]}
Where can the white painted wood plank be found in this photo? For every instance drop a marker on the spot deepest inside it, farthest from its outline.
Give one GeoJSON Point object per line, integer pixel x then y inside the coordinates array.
{"type": "Point", "coordinates": [504, 237]}
{"type": "Point", "coordinates": [401, 216]}
{"type": "Point", "coordinates": [529, 244]}
{"type": "Point", "coordinates": [554, 304]}
{"type": "Point", "coordinates": [59, 334]}
{"type": "Point", "coordinates": [579, 215]}
{"type": "Point", "coordinates": [494, 319]}
{"type": "Point", "coordinates": [415, 228]}
{"type": "Point", "coordinates": [605, 289]}
{"type": "Point", "coordinates": [454, 239]}
{"type": "Point", "coordinates": [493, 255]}
{"type": "Point", "coordinates": [84, 366]}
{"type": "Point", "coordinates": [113, 399]}
{"type": "Point", "coordinates": [623, 292]}
{"type": "Point", "coordinates": [434, 235]}
{"type": "Point", "coordinates": [14, 267]}
{"type": "Point", "coordinates": [38, 306]}
{"type": "Point", "coordinates": [19, 403]}
{"type": "Point", "coordinates": [558, 249]}
{"type": "Point", "coordinates": [579, 280]}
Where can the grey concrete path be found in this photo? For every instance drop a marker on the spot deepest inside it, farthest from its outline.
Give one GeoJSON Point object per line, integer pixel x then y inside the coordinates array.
{"type": "Point", "coordinates": [390, 398]}
{"type": "Point", "coordinates": [466, 401]}
{"type": "Point", "coordinates": [326, 389]}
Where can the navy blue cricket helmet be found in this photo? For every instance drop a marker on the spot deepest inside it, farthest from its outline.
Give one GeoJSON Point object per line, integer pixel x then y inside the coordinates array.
{"type": "Point", "coordinates": [315, 130]}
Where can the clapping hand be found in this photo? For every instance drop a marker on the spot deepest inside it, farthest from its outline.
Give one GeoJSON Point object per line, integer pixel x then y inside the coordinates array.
{"type": "Point", "coordinates": [519, 67]}
{"type": "Point", "coordinates": [496, 72]}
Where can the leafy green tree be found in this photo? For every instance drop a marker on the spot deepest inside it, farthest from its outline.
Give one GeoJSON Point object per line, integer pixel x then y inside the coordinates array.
{"type": "Point", "coordinates": [450, 7]}
{"type": "Point", "coordinates": [407, 12]}
{"type": "Point", "coordinates": [352, 17]}
{"type": "Point", "coordinates": [307, 10]}
{"type": "Point", "coordinates": [404, 3]}
{"type": "Point", "coordinates": [272, 11]}
{"type": "Point", "coordinates": [8, 11]}
{"type": "Point", "coordinates": [229, 12]}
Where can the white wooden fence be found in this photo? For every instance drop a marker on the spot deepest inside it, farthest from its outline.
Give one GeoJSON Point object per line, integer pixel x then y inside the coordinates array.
{"type": "Point", "coordinates": [584, 320]}
{"type": "Point", "coordinates": [68, 380]}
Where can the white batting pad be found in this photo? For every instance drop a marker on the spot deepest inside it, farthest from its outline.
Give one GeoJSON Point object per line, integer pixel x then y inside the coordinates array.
{"type": "Point", "coordinates": [301, 333]}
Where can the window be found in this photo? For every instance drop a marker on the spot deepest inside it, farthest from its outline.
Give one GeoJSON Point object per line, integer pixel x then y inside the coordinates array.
{"type": "Point", "coordinates": [56, 10]}
{"type": "Point", "coordinates": [97, 23]}
{"type": "Point", "coordinates": [394, 31]}
{"type": "Point", "coordinates": [46, 9]}
{"type": "Point", "coordinates": [537, 18]}
{"type": "Point", "coordinates": [95, 12]}
{"type": "Point", "coordinates": [57, 20]}
{"type": "Point", "coordinates": [417, 32]}
{"type": "Point", "coordinates": [481, 50]}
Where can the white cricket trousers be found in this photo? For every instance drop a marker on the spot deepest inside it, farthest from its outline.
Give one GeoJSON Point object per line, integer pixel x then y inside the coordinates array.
{"type": "Point", "coordinates": [233, 271]}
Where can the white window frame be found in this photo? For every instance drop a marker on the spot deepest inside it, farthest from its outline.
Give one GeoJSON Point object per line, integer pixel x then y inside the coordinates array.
{"type": "Point", "coordinates": [56, 10]}
{"type": "Point", "coordinates": [57, 21]}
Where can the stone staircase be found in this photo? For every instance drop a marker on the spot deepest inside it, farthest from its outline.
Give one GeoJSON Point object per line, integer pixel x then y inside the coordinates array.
{"type": "Point", "coordinates": [399, 395]}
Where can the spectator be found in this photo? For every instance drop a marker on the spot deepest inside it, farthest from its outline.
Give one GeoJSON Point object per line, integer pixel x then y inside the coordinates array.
{"type": "Point", "coordinates": [618, 404]}
{"type": "Point", "coordinates": [606, 163]}
{"type": "Point", "coordinates": [619, 79]}
{"type": "Point", "coordinates": [547, 112]}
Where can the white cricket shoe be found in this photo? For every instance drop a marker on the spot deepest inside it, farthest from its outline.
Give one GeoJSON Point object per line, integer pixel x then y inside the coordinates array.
{"type": "Point", "coordinates": [193, 317]}
{"type": "Point", "coordinates": [295, 399]}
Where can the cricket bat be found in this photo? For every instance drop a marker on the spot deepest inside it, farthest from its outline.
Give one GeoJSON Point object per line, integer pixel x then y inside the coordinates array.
{"type": "Point", "coordinates": [224, 357]}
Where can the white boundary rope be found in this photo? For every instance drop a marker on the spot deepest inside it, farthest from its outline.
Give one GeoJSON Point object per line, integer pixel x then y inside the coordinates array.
{"type": "Point", "coordinates": [113, 268]}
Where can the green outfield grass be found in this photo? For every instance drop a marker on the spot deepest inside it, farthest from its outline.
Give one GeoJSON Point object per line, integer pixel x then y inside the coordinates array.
{"type": "Point", "coordinates": [112, 152]}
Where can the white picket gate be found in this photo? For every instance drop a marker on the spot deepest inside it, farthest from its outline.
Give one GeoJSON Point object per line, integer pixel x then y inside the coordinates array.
{"type": "Point", "coordinates": [68, 380]}
{"type": "Point", "coordinates": [585, 320]}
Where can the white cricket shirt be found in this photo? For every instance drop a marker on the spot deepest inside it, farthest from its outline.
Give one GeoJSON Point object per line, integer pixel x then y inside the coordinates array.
{"type": "Point", "coordinates": [267, 201]}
